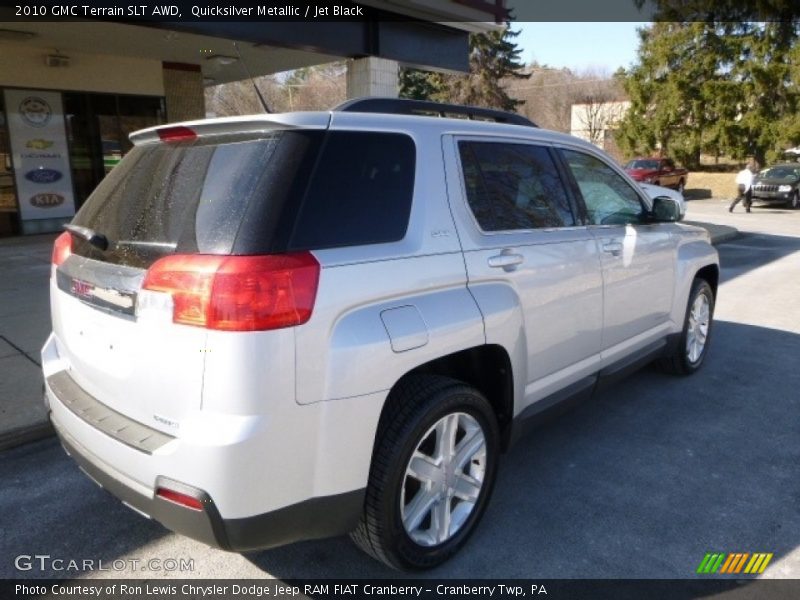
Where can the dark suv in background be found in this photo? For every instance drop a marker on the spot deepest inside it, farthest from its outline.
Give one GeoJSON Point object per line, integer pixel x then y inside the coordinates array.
{"type": "Point", "coordinates": [778, 184]}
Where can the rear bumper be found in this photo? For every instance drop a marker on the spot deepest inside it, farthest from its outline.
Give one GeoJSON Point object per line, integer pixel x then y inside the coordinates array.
{"type": "Point", "coordinates": [312, 519]}
{"type": "Point", "coordinates": [263, 480]}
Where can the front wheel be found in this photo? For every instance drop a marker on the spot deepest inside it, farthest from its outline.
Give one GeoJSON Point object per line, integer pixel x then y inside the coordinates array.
{"type": "Point", "coordinates": [693, 344]}
{"type": "Point", "coordinates": [794, 203]}
{"type": "Point", "coordinates": [681, 186]}
{"type": "Point", "coordinates": [433, 470]}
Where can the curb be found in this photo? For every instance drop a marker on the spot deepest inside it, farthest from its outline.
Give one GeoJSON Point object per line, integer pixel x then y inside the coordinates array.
{"type": "Point", "coordinates": [25, 435]}
{"type": "Point", "coordinates": [718, 233]}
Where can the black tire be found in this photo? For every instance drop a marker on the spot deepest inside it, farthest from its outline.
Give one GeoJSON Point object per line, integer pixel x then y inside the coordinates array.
{"type": "Point", "coordinates": [413, 408]}
{"type": "Point", "coordinates": [680, 362]}
{"type": "Point", "coordinates": [794, 203]}
{"type": "Point", "coordinates": [681, 186]}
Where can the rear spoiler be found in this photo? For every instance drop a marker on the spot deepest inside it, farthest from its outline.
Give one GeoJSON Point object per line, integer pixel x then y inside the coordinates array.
{"type": "Point", "coordinates": [247, 126]}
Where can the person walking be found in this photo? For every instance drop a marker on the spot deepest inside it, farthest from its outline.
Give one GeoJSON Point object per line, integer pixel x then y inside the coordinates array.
{"type": "Point", "coordinates": [744, 183]}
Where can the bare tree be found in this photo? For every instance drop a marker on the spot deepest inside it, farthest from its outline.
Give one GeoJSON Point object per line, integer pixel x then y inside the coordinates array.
{"type": "Point", "coordinates": [547, 96]}
{"type": "Point", "coordinates": [312, 88]}
{"type": "Point", "coordinates": [550, 93]}
{"type": "Point", "coordinates": [597, 107]}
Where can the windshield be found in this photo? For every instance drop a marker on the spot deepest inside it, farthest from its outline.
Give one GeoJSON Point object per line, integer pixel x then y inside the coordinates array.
{"type": "Point", "coordinates": [780, 173]}
{"type": "Point", "coordinates": [642, 164]}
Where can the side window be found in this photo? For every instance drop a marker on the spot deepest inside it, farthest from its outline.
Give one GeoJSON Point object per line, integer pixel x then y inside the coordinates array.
{"type": "Point", "coordinates": [513, 186]}
{"type": "Point", "coordinates": [609, 199]}
{"type": "Point", "coordinates": [360, 192]}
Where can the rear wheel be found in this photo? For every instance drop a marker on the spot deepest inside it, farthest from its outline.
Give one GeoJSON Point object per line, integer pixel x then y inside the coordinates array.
{"type": "Point", "coordinates": [693, 345]}
{"type": "Point", "coordinates": [432, 473]}
{"type": "Point", "coordinates": [681, 186]}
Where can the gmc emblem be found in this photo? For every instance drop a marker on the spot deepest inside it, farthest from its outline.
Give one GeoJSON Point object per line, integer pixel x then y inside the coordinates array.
{"type": "Point", "coordinates": [81, 288]}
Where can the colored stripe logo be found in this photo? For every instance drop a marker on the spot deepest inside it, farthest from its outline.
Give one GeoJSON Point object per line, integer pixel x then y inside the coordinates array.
{"type": "Point", "coordinates": [734, 562]}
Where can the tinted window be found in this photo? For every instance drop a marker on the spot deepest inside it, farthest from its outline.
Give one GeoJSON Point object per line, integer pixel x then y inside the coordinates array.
{"type": "Point", "coordinates": [513, 186]}
{"type": "Point", "coordinates": [360, 193]}
{"type": "Point", "coordinates": [164, 198]}
{"type": "Point", "coordinates": [608, 197]}
{"type": "Point", "coordinates": [289, 190]}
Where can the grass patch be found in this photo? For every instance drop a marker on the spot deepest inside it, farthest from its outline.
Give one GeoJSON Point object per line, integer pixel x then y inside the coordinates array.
{"type": "Point", "coordinates": [703, 184]}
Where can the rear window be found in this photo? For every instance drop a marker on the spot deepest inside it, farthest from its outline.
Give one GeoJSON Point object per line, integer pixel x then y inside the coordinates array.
{"type": "Point", "coordinates": [290, 190]}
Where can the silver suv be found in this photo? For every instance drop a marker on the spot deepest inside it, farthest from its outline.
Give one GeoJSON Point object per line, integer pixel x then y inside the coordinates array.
{"type": "Point", "coordinates": [284, 327]}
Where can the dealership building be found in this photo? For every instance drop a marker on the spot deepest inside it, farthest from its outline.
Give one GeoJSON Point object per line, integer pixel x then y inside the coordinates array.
{"type": "Point", "coordinates": [72, 92]}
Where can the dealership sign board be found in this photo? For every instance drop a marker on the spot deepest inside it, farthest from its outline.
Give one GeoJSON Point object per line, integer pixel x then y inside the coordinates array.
{"type": "Point", "coordinates": [40, 155]}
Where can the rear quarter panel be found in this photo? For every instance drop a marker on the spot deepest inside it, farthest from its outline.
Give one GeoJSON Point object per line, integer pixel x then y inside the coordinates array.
{"type": "Point", "coordinates": [345, 349]}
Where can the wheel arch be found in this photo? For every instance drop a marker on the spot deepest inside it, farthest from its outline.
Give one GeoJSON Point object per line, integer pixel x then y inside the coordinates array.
{"type": "Point", "coordinates": [709, 273]}
{"type": "Point", "coordinates": [487, 368]}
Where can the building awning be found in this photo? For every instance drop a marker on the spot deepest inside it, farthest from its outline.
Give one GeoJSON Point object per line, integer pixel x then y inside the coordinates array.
{"type": "Point", "coordinates": [420, 33]}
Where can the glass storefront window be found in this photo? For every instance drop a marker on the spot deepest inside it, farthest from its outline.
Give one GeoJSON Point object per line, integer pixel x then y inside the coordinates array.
{"type": "Point", "coordinates": [8, 197]}
{"type": "Point", "coordinates": [98, 126]}
{"type": "Point", "coordinates": [97, 129]}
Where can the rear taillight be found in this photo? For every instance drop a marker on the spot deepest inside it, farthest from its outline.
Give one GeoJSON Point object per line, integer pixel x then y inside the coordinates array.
{"type": "Point", "coordinates": [62, 248]}
{"type": "Point", "coordinates": [179, 498]}
{"type": "Point", "coordinates": [237, 293]}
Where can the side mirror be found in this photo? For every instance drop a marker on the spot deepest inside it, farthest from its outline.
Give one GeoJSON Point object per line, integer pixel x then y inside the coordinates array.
{"type": "Point", "coordinates": [666, 209]}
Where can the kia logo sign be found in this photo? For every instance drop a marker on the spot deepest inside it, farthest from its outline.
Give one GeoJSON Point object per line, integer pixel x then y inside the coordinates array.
{"type": "Point", "coordinates": [43, 175]}
{"type": "Point", "coordinates": [46, 200]}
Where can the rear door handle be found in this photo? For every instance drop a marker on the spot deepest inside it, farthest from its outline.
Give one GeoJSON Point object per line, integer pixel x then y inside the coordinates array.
{"type": "Point", "coordinates": [613, 248]}
{"type": "Point", "coordinates": [506, 260]}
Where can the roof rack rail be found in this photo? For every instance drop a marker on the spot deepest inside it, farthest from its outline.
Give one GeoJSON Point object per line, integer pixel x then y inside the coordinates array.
{"type": "Point", "coordinates": [405, 106]}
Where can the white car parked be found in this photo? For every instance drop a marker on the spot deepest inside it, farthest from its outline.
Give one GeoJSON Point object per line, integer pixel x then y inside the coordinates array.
{"type": "Point", "coordinates": [654, 191]}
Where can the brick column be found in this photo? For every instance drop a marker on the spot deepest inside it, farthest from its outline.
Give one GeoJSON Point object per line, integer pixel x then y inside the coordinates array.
{"type": "Point", "coordinates": [183, 89]}
{"type": "Point", "coordinates": [371, 76]}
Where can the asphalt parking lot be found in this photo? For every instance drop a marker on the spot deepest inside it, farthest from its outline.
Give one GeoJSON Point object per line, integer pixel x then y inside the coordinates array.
{"type": "Point", "coordinates": [640, 482]}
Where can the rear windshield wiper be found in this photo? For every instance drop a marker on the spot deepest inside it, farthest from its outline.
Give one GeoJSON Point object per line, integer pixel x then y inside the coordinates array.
{"type": "Point", "coordinates": [98, 240]}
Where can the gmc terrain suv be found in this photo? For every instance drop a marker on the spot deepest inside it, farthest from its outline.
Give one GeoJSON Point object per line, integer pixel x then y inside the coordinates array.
{"type": "Point", "coordinates": [283, 327]}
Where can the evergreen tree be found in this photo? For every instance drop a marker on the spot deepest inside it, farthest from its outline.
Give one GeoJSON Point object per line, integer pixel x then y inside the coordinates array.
{"type": "Point", "coordinates": [713, 86]}
{"type": "Point", "coordinates": [674, 90]}
{"type": "Point", "coordinates": [768, 96]}
{"type": "Point", "coordinates": [417, 84]}
{"type": "Point", "coordinates": [493, 56]}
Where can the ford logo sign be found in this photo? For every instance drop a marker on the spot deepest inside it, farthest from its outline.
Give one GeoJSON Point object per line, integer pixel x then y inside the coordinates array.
{"type": "Point", "coordinates": [46, 200]}
{"type": "Point", "coordinates": [43, 175]}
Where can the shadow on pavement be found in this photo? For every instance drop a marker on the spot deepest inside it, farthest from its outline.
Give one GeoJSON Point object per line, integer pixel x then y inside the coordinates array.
{"type": "Point", "coordinates": [49, 508]}
{"type": "Point", "coordinates": [640, 482]}
{"type": "Point", "coordinates": [750, 251]}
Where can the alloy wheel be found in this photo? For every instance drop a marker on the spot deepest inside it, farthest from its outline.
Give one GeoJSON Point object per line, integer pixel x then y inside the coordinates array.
{"type": "Point", "coordinates": [443, 479]}
{"type": "Point", "coordinates": [697, 328]}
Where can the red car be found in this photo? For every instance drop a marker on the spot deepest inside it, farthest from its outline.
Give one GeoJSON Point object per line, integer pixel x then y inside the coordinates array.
{"type": "Point", "coordinates": [658, 171]}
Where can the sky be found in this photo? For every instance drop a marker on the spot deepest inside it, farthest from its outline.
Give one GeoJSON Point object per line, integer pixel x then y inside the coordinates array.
{"type": "Point", "coordinates": [598, 46]}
